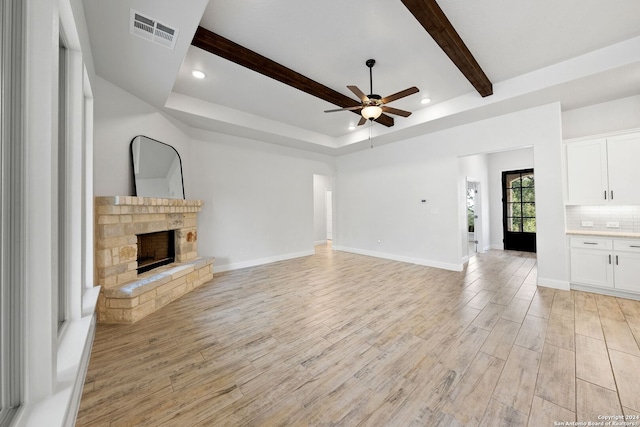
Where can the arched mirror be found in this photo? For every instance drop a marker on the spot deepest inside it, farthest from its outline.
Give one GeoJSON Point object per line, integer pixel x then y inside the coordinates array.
{"type": "Point", "coordinates": [157, 169]}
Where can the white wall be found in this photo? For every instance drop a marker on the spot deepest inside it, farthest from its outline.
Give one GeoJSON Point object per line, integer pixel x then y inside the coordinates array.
{"type": "Point", "coordinates": [119, 117]}
{"type": "Point", "coordinates": [475, 168]}
{"type": "Point", "coordinates": [619, 114]}
{"type": "Point", "coordinates": [258, 196]}
{"type": "Point", "coordinates": [378, 192]}
{"type": "Point", "coordinates": [321, 183]}
{"type": "Point", "coordinates": [258, 199]}
{"type": "Point", "coordinates": [497, 163]}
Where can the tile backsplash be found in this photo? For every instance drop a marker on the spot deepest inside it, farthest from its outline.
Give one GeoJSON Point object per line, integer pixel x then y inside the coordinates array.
{"type": "Point", "coordinates": [627, 216]}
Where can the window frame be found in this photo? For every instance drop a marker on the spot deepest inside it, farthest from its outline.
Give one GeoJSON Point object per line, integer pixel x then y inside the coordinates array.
{"type": "Point", "coordinates": [12, 198]}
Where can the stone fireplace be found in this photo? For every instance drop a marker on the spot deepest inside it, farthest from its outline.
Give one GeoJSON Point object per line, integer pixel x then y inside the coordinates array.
{"type": "Point", "coordinates": [138, 278]}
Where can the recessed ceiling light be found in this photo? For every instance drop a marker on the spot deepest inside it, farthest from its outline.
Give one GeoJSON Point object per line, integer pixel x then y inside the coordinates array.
{"type": "Point", "coordinates": [198, 74]}
{"type": "Point", "coordinates": [425, 100]}
{"type": "Point", "coordinates": [352, 127]}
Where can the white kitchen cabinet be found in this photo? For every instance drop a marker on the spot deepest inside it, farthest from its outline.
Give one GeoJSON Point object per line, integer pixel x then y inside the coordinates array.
{"type": "Point", "coordinates": [606, 263]}
{"type": "Point", "coordinates": [627, 265]}
{"type": "Point", "coordinates": [623, 154]}
{"type": "Point", "coordinates": [591, 261]}
{"type": "Point", "coordinates": [603, 170]}
{"type": "Point", "coordinates": [587, 171]}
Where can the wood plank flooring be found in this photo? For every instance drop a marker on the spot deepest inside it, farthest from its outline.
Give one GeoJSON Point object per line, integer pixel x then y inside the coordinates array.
{"type": "Point", "coordinates": [344, 339]}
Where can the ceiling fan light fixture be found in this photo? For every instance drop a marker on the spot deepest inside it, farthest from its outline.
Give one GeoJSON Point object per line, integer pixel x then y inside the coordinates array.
{"type": "Point", "coordinates": [371, 112]}
{"type": "Point", "coordinates": [198, 74]}
{"type": "Point", "coordinates": [425, 100]}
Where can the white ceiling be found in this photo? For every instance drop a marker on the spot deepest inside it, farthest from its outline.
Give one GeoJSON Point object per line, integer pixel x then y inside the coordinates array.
{"type": "Point", "coordinates": [574, 51]}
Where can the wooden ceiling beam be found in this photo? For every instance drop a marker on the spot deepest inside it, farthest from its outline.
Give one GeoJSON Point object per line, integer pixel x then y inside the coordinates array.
{"type": "Point", "coordinates": [225, 48]}
{"type": "Point", "coordinates": [433, 19]}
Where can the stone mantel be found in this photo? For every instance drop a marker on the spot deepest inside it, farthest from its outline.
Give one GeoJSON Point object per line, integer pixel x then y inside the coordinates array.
{"type": "Point", "coordinates": [118, 221]}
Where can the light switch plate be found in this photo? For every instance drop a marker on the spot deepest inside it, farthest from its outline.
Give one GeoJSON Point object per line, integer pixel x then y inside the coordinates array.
{"type": "Point", "coordinates": [587, 223]}
{"type": "Point", "coordinates": [613, 224]}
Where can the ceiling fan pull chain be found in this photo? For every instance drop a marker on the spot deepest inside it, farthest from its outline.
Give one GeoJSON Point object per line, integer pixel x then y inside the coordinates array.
{"type": "Point", "coordinates": [370, 140]}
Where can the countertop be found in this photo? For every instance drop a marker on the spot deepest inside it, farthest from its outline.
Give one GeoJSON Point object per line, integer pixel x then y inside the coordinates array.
{"type": "Point", "coordinates": [603, 233]}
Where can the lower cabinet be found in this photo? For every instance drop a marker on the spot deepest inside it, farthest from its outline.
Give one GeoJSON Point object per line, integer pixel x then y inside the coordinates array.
{"type": "Point", "coordinates": [606, 263]}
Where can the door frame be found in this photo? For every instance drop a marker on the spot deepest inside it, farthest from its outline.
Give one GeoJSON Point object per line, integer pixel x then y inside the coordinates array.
{"type": "Point", "coordinates": [328, 196]}
{"type": "Point", "coordinates": [477, 223]}
{"type": "Point", "coordinates": [527, 241]}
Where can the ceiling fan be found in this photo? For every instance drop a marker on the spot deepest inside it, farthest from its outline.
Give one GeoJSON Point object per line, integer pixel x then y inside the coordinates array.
{"type": "Point", "coordinates": [374, 105]}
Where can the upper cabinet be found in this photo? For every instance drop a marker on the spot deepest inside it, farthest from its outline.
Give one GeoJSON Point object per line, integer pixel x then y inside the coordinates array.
{"type": "Point", "coordinates": [623, 154]}
{"type": "Point", "coordinates": [604, 170]}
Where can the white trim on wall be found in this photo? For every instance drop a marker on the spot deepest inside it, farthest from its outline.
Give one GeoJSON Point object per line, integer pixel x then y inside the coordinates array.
{"type": "Point", "coordinates": [261, 261]}
{"type": "Point", "coordinates": [402, 258]}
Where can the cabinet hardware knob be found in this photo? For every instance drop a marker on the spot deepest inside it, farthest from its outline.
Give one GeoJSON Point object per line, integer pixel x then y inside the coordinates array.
{"type": "Point", "coordinates": [634, 246]}
{"type": "Point", "coordinates": [590, 243]}
{"type": "Point", "coordinates": [611, 194]}
{"type": "Point", "coordinates": [609, 259]}
{"type": "Point", "coordinates": [605, 194]}
{"type": "Point", "coordinates": [616, 259]}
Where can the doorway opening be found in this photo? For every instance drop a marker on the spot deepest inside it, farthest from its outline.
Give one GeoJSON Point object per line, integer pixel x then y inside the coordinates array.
{"type": "Point", "coordinates": [519, 210]}
{"type": "Point", "coordinates": [472, 217]}
{"type": "Point", "coordinates": [323, 221]}
{"type": "Point", "coordinates": [329, 205]}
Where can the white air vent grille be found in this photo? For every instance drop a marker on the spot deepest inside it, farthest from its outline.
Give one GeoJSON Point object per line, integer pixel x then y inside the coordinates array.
{"type": "Point", "coordinates": [152, 30]}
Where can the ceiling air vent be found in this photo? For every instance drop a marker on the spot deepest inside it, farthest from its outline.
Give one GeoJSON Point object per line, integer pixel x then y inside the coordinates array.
{"type": "Point", "coordinates": [152, 30]}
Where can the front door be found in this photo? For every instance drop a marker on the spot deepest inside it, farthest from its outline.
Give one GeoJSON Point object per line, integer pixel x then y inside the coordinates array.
{"type": "Point", "coordinates": [519, 210]}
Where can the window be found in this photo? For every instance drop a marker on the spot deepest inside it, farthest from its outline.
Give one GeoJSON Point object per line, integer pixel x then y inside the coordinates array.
{"type": "Point", "coordinates": [12, 191]}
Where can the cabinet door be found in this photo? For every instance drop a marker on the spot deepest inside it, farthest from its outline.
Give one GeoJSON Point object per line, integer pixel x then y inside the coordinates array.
{"type": "Point", "coordinates": [627, 272]}
{"type": "Point", "coordinates": [587, 172]}
{"type": "Point", "coordinates": [591, 267]}
{"type": "Point", "coordinates": [623, 154]}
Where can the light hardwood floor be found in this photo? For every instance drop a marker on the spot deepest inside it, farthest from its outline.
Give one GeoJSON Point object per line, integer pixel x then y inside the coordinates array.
{"type": "Point", "coordinates": [343, 339]}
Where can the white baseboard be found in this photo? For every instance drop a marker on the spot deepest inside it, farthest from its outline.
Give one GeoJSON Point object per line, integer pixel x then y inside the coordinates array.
{"type": "Point", "coordinates": [320, 242]}
{"type": "Point", "coordinates": [606, 291]}
{"type": "Point", "coordinates": [260, 261]}
{"type": "Point", "coordinates": [402, 258]}
{"type": "Point", "coordinates": [465, 259]}
{"type": "Point", "coordinates": [553, 283]}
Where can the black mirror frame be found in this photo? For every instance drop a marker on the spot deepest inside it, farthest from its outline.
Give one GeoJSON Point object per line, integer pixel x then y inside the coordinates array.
{"type": "Point", "coordinates": [133, 167]}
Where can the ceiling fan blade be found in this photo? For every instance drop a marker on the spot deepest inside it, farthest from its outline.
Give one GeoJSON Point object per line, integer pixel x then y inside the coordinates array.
{"type": "Point", "coordinates": [385, 120]}
{"type": "Point", "coordinates": [360, 94]}
{"type": "Point", "coordinates": [396, 111]}
{"type": "Point", "coordinates": [362, 121]}
{"type": "Point", "coordinates": [344, 109]}
{"type": "Point", "coordinates": [400, 94]}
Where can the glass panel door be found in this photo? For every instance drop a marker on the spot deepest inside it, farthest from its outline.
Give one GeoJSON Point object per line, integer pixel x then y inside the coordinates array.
{"type": "Point", "coordinates": [519, 210]}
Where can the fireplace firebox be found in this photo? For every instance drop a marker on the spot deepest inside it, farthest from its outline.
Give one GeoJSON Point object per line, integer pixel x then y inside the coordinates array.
{"type": "Point", "coordinates": [155, 250]}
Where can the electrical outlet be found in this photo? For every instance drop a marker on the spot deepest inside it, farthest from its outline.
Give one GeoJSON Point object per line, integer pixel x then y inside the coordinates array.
{"type": "Point", "coordinates": [613, 224]}
{"type": "Point", "coordinates": [587, 223]}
